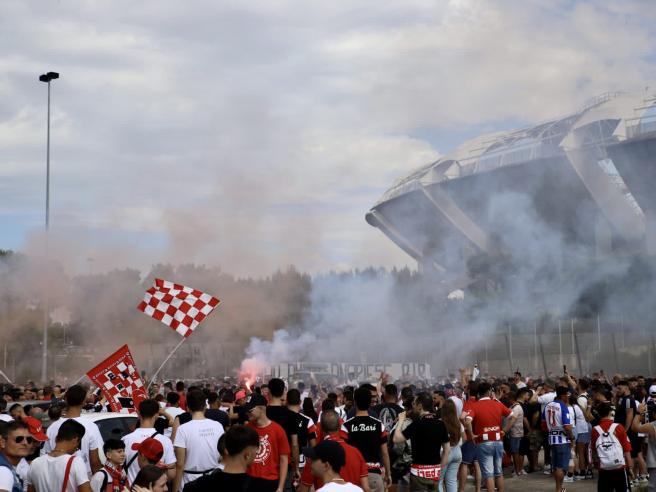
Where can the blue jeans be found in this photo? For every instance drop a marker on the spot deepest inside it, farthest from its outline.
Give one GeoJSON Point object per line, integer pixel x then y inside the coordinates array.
{"type": "Point", "coordinates": [449, 477]}
{"type": "Point", "coordinates": [490, 458]}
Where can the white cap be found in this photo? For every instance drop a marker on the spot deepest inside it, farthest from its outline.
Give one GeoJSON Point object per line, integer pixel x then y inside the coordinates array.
{"type": "Point", "coordinates": [652, 389]}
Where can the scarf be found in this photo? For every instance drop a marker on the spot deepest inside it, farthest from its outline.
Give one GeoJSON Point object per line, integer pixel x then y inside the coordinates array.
{"type": "Point", "coordinates": [118, 475]}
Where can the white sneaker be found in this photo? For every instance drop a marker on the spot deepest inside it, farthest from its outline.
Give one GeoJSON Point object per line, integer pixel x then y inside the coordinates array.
{"type": "Point", "coordinates": [568, 479]}
{"type": "Point", "coordinates": [547, 470]}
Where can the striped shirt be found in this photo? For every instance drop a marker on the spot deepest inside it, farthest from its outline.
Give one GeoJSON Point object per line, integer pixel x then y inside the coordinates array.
{"type": "Point", "coordinates": [556, 416]}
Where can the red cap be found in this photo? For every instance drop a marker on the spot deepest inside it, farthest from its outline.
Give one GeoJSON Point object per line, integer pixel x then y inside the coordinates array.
{"type": "Point", "coordinates": [150, 448]}
{"type": "Point", "coordinates": [240, 394]}
{"type": "Point", "coordinates": [36, 428]}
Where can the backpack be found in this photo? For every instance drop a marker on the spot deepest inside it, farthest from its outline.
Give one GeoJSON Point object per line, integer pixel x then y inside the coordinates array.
{"type": "Point", "coordinates": [18, 485]}
{"type": "Point", "coordinates": [609, 449]}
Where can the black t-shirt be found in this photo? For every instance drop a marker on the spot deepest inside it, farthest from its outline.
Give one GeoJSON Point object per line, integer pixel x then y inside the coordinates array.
{"type": "Point", "coordinates": [535, 421]}
{"type": "Point", "coordinates": [211, 413]}
{"type": "Point", "coordinates": [387, 414]}
{"type": "Point", "coordinates": [367, 434]}
{"type": "Point", "coordinates": [427, 433]}
{"type": "Point", "coordinates": [625, 404]}
{"type": "Point", "coordinates": [287, 419]}
{"type": "Point", "coordinates": [306, 431]}
{"type": "Point", "coordinates": [219, 481]}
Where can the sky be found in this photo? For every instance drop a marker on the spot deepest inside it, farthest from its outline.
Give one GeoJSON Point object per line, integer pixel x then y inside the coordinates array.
{"type": "Point", "coordinates": [256, 135]}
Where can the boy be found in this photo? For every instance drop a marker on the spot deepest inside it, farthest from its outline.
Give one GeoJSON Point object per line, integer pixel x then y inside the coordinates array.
{"type": "Point", "coordinates": [111, 477]}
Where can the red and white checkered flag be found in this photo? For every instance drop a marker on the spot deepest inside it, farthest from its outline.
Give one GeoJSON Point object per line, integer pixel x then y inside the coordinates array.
{"type": "Point", "coordinates": [180, 307]}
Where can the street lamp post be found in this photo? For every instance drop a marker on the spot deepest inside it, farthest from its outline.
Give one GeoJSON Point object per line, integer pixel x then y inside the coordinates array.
{"type": "Point", "coordinates": [47, 78]}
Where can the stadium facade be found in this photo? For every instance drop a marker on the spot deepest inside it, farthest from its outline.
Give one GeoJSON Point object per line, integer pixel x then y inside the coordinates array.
{"type": "Point", "coordinates": [589, 176]}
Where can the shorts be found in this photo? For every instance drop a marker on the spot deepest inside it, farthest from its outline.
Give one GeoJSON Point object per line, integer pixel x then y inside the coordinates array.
{"type": "Point", "coordinates": [535, 440]}
{"type": "Point", "coordinates": [490, 459]}
{"type": "Point", "coordinates": [514, 444]}
{"type": "Point", "coordinates": [420, 484]}
{"type": "Point", "coordinates": [636, 444]}
{"type": "Point", "coordinates": [468, 452]}
{"type": "Point", "coordinates": [560, 455]}
{"type": "Point", "coordinates": [376, 483]}
{"type": "Point", "coordinates": [583, 438]}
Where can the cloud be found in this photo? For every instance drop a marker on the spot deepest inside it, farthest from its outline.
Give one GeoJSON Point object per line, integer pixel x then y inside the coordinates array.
{"type": "Point", "coordinates": [255, 135]}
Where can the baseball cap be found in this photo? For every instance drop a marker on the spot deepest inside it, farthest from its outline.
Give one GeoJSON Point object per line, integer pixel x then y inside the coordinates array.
{"type": "Point", "coordinates": [652, 390]}
{"type": "Point", "coordinates": [36, 428]}
{"type": "Point", "coordinates": [329, 452]}
{"type": "Point", "coordinates": [150, 448]}
{"type": "Point", "coordinates": [256, 400]}
{"type": "Point", "coordinates": [240, 394]}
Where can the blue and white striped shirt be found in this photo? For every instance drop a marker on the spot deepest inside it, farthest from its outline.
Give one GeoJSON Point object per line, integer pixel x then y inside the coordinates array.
{"type": "Point", "coordinates": [556, 416]}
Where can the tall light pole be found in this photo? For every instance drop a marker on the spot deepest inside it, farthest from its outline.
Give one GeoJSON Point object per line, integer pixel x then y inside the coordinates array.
{"type": "Point", "coordinates": [47, 78]}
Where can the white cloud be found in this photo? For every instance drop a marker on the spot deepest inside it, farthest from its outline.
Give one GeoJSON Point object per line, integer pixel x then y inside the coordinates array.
{"type": "Point", "coordinates": [257, 134]}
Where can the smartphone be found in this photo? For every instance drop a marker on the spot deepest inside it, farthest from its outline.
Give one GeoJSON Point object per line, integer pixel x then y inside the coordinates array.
{"type": "Point", "coordinates": [564, 369]}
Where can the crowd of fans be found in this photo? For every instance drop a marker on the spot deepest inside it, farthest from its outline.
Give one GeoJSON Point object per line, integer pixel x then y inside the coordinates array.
{"type": "Point", "coordinates": [372, 437]}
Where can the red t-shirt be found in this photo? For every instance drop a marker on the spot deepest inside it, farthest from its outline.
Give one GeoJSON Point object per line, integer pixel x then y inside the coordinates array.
{"type": "Point", "coordinates": [488, 415]}
{"type": "Point", "coordinates": [273, 445]}
{"type": "Point", "coordinates": [620, 433]}
{"type": "Point", "coordinates": [183, 400]}
{"type": "Point", "coordinates": [353, 471]}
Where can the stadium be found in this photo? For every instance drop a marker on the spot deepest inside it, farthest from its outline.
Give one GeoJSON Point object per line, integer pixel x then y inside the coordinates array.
{"type": "Point", "coordinates": [589, 178]}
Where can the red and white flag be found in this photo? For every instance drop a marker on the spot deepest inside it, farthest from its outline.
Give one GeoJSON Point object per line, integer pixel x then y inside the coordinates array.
{"type": "Point", "coordinates": [178, 306]}
{"type": "Point", "coordinates": [119, 380]}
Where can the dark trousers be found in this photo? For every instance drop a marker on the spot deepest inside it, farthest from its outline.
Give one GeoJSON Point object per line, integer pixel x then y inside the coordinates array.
{"type": "Point", "coordinates": [613, 481]}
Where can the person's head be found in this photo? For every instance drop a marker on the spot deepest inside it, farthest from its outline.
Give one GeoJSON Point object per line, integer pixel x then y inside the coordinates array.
{"type": "Point", "coordinates": [472, 389]}
{"type": "Point", "coordinates": [151, 478]}
{"type": "Point", "coordinates": [484, 390]}
{"type": "Point", "coordinates": [149, 451]}
{"type": "Point", "coordinates": [148, 409]}
{"type": "Point", "coordinates": [213, 399]}
{"type": "Point", "coordinates": [173, 398]}
{"type": "Point", "coordinates": [196, 401]}
{"type": "Point", "coordinates": [327, 404]}
{"type": "Point", "coordinates": [179, 386]}
{"type": "Point", "coordinates": [362, 398]}
{"type": "Point", "coordinates": [75, 396]}
{"type": "Point", "coordinates": [423, 402]}
{"type": "Point", "coordinates": [511, 397]}
{"type": "Point", "coordinates": [256, 408]}
{"type": "Point", "coordinates": [583, 385]}
{"type": "Point", "coordinates": [330, 421]}
{"type": "Point", "coordinates": [276, 387]}
{"type": "Point", "coordinates": [391, 394]}
{"type": "Point", "coordinates": [439, 397]}
{"type": "Point", "coordinates": [293, 398]}
{"type": "Point", "coordinates": [54, 412]}
{"type": "Point", "coordinates": [308, 406]}
{"type": "Point", "coordinates": [328, 457]}
{"type": "Point", "coordinates": [114, 450]}
{"type": "Point", "coordinates": [16, 441]}
{"type": "Point", "coordinates": [17, 411]}
{"type": "Point", "coordinates": [523, 395]}
{"type": "Point", "coordinates": [604, 409]}
{"type": "Point", "coordinates": [623, 388]}
{"type": "Point", "coordinates": [562, 394]}
{"type": "Point", "coordinates": [241, 443]}
{"type": "Point", "coordinates": [69, 436]}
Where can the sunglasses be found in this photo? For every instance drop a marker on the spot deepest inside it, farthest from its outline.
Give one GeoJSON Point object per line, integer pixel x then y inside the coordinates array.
{"type": "Point", "coordinates": [19, 439]}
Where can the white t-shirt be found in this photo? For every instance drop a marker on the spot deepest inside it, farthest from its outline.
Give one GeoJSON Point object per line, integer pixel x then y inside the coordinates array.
{"type": "Point", "coordinates": [545, 399]}
{"type": "Point", "coordinates": [138, 436]}
{"type": "Point", "coordinates": [47, 473]}
{"type": "Point", "coordinates": [517, 429]}
{"type": "Point", "coordinates": [173, 412]}
{"type": "Point", "coordinates": [199, 438]}
{"type": "Point", "coordinates": [6, 418]}
{"type": "Point", "coordinates": [98, 479]}
{"type": "Point", "coordinates": [23, 470]}
{"type": "Point", "coordinates": [581, 423]}
{"type": "Point", "coordinates": [339, 487]}
{"type": "Point", "coordinates": [458, 403]}
{"type": "Point", "coordinates": [6, 479]}
{"type": "Point", "coordinates": [90, 441]}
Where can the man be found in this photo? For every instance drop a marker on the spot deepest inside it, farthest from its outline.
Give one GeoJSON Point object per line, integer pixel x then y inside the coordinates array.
{"type": "Point", "coordinates": [287, 419]}
{"type": "Point", "coordinates": [368, 435]}
{"type": "Point", "coordinates": [307, 431]}
{"type": "Point", "coordinates": [272, 460]}
{"type": "Point", "coordinates": [517, 400]}
{"type": "Point", "coordinates": [624, 413]}
{"type": "Point", "coordinates": [15, 445]}
{"type": "Point", "coordinates": [61, 469]}
{"type": "Point", "coordinates": [328, 458]}
{"type": "Point", "coordinates": [241, 444]}
{"type": "Point", "coordinates": [389, 410]}
{"type": "Point", "coordinates": [214, 412]}
{"type": "Point", "coordinates": [355, 468]}
{"type": "Point", "coordinates": [487, 417]}
{"type": "Point", "coordinates": [469, 449]}
{"type": "Point", "coordinates": [439, 397]}
{"type": "Point", "coordinates": [195, 443]}
{"type": "Point", "coordinates": [173, 409]}
{"type": "Point", "coordinates": [559, 428]}
{"type": "Point", "coordinates": [583, 438]}
{"type": "Point", "coordinates": [648, 427]}
{"type": "Point", "coordinates": [611, 452]}
{"type": "Point", "coordinates": [180, 390]}
{"type": "Point", "coordinates": [149, 412]}
{"type": "Point", "coordinates": [430, 444]}
{"type": "Point", "coordinates": [91, 442]}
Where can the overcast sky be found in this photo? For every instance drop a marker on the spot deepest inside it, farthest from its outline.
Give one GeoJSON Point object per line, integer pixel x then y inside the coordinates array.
{"type": "Point", "coordinates": [256, 134]}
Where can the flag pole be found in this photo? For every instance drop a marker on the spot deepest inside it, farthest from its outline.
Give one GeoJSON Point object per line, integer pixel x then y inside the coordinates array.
{"type": "Point", "coordinates": [184, 339]}
{"type": "Point", "coordinates": [5, 376]}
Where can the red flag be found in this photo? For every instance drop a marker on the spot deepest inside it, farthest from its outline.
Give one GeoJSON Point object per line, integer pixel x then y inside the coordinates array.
{"type": "Point", "coordinates": [119, 380]}
{"type": "Point", "coordinates": [178, 306]}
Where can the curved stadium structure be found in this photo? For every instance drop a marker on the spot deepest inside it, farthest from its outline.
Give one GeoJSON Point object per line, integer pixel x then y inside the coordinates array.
{"type": "Point", "coordinates": [588, 177]}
